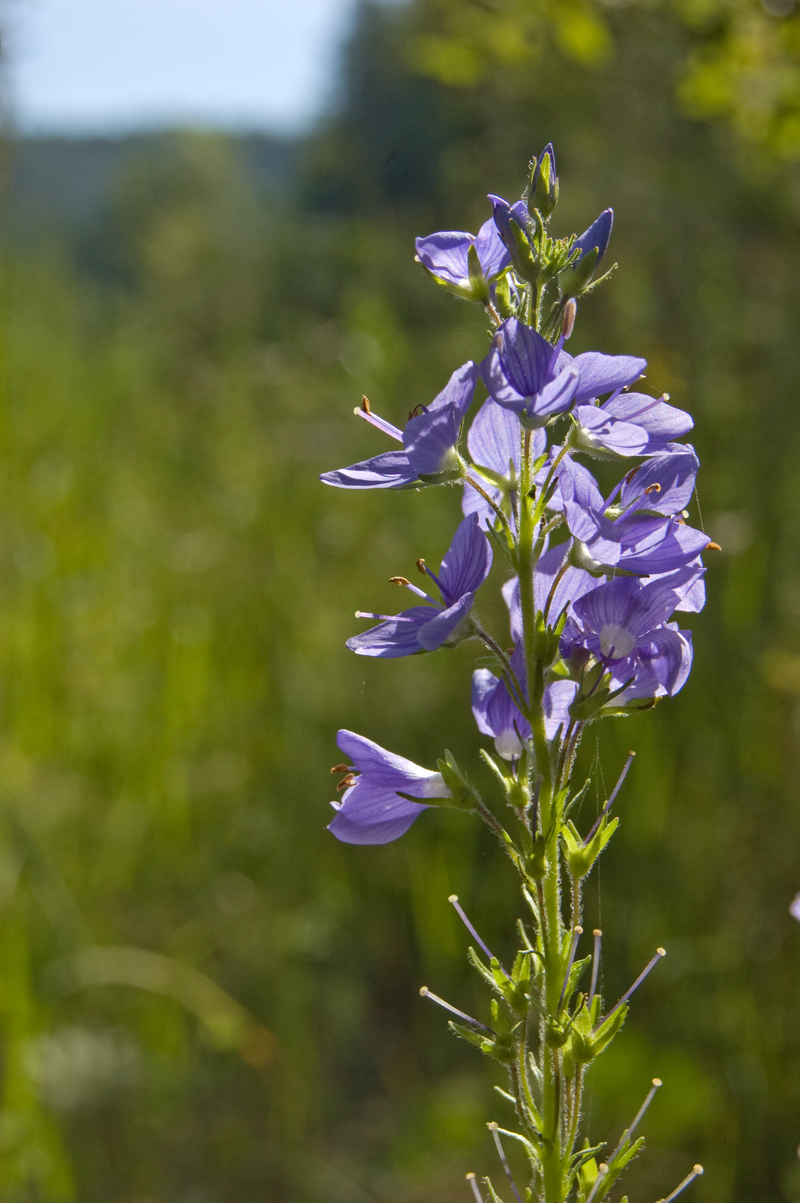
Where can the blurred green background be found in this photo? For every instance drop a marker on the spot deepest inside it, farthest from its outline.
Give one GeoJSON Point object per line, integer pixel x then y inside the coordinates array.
{"type": "Point", "coordinates": [203, 997]}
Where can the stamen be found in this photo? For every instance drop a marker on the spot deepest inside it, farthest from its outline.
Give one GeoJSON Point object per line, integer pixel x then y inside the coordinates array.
{"type": "Point", "coordinates": [713, 547]}
{"type": "Point", "coordinates": [629, 1131]}
{"type": "Point", "coordinates": [568, 320]}
{"type": "Point", "coordinates": [460, 912]}
{"type": "Point", "coordinates": [421, 566]}
{"type": "Point", "coordinates": [364, 410]}
{"type": "Point", "coordinates": [577, 932]}
{"type": "Point", "coordinates": [654, 488]}
{"type": "Point", "coordinates": [384, 617]}
{"type": "Point", "coordinates": [501, 1154]}
{"type": "Point", "coordinates": [595, 964]}
{"type": "Point", "coordinates": [426, 993]}
{"type": "Point", "coordinates": [611, 799]}
{"type": "Point", "coordinates": [345, 783]}
{"type": "Point", "coordinates": [416, 411]}
{"type": "Point", "coordinates": [696, 1172]}
{"type": "Point", "coordinates": [602, 1170]}
{"type": "Point", "coordinates": [342, 768]}
{"type": "Point", "coordinates": [474, 1185]}
{"type": "Point", "coordinates": [660, 952]}
{"type": "Point", "coordinates": [398, 580]}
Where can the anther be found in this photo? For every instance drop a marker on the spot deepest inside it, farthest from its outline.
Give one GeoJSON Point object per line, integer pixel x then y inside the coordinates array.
{"type": "Point", "coordinates": [365, 405]}
{"type": "Point", "coordinates": [485, 948]}
{"type": "Point", "coordinates": [493, 1128]}
{"type": "Point", "coordinates": [421, 566]}
{"type": "Point", "coordinates": [697, 1170]}
{"type": "Point", "coordinates": [629, 1131]}
{"type": "Point", "coordinates": [654, 488]}
{"type": "Point", "coordinates": [474, 1185]}
{"type": "Point", "coordinates": [568, 320]}
{"type": "Point", "coordinates": [399, 580]}
{"type": "Point", "coordinates": [416, 411]}
{"type": "Point", "coordinates": [713, 547]}
{"type": "Point", "coordinates": [426, 993]}
{"type": "Point", "coordinates": [342, 768]}
{"type": "Point", "coordinates": [660, 952]}
{"type": "Point", "coordinates": [595, 964]}
{"type": "Point", "coordinates": [345, 783]}
{"type": "Point", "coordinates": [577, 932]}
{"type": "Point", "coordinates": [612, 797]}
{"type": "Point", "coordinates": [602, 1170]}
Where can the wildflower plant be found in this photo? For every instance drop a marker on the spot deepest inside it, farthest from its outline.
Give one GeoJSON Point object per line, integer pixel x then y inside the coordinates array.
{"type": "Point", "coordinates": [596, 586]}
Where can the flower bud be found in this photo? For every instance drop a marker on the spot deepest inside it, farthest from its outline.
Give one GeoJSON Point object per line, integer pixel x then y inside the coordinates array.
{"type": "Point", "coordinates": [543, 193]}
{"type": "Point", "coordinates": [592, 245]}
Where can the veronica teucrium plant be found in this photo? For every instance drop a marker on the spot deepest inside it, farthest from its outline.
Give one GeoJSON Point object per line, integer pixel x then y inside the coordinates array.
{"type": "Point", "coordinates": [595, 587]}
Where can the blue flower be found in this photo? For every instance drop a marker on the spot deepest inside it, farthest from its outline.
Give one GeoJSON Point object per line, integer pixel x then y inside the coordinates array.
{"type": "Point", "coordinates": [429, 439]}
{"type": "Point", "coordinates": [494, 443]}
{"type": "Point", "coordinates": [623, 623]}
{"type": "Point", "coordinates": [426, 628]}
{"type": "Point", "coordinates": [506, 217]}
{"type": "Point", "coordinates": [641, 535]}
{"type": "Point", "coordinates": [592, 245]}
{"type": "Point", "coordinates": [497, 714]}
{"type": "Point", "coordinates": [628, 424]}
{"type": "Point", "coordinates": [523, 372]}
{"type": "Point", "coordinates": [464, 263]}
{"type": "Point", "coordinates": [372, 809]}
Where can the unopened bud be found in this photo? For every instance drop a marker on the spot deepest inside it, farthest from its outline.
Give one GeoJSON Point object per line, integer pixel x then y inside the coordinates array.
{"type": "Point", "coordinates": [568, 319]}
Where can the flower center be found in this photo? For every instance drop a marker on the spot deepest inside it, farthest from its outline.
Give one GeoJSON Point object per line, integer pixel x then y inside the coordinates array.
{"type": "Point", "coordinates": [616, 641]}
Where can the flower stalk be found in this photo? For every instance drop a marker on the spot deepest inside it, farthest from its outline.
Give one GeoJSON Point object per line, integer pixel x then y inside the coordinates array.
{"type": "Point", "coordinates": [597, 581]}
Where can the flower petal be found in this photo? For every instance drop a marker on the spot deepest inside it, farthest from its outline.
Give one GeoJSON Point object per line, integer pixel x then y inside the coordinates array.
{"type": "Point", "coordinates": [370, 815]}
{"type": "Point", "coordinates": [391, 470]}
{"type": "Point", "coordinates": [467, 561]}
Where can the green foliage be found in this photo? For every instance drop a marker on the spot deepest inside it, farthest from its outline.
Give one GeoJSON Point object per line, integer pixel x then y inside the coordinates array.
{"type": "Point", "coordinates": [174, 591]}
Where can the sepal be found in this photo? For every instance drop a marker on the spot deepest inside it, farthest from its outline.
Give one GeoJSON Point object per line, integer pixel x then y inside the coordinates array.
{"type": "Point", "coordinates": [464, 796]}
{"type": "Point", "coordinates": [580, 857]}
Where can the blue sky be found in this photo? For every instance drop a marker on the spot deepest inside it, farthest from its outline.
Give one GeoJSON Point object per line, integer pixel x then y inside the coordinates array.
{"type": "Point", "coordinates": [91, 65]}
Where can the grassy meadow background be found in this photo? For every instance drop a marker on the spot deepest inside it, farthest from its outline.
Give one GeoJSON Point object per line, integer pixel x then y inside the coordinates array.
{"type": "Point", "coordinates": [203, 997]}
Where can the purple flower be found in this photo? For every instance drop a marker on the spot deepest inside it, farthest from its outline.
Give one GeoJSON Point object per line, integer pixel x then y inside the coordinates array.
{"type": "Point", "coordinates": [498, 715]}
{"type": "Point", "coordinates": [463, 263]}
{"type": "Point", "coordinates": [556, 583]}
{"type": "Point", "coordinates": [641, 535]}
{"type": "Point", "coordinates": [429, 439]}
{"type": "Point", "coordinates": [622, 623]}
{"type": "Point", "coordinates": [525, 373]}
{"type": "Point", "coordinates": [506, 217]}
{"type": "Point", "coordinates": [426, 628]}
{"type": "Point", "coordinates": [372, 809]}
{"type": "Point", "coordinates": [495, 443]}
{"type": "Point", "coordinates": [628, 424]}
{"type": "Point", "coordinates": [794, 909]}
{"type": "Point", "coordinates": [592, 245]}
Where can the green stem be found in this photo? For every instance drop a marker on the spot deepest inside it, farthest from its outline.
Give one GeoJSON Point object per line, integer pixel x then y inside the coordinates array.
{"type": "Point", "coordinates": [552, 930]}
